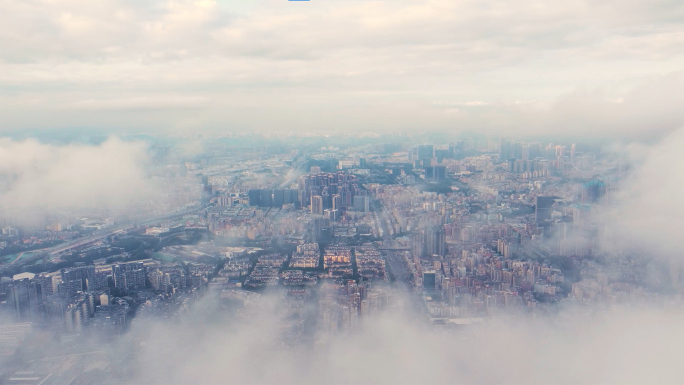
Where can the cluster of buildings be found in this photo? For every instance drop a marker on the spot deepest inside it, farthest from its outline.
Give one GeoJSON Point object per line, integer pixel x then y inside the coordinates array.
{"type": "Point", "coordinates": [472, 229]}
{"type": "Point", "coordinates": [337, 261]}
{"type": "Point", "coordinates": [170, 279]}
{"type": "Point", "coordinates": [607, 286]}
{"type": "Point", "coordinates": [266, 271]}
{"type": "Point", "coordinates": [74, 299]}
{"type": "Point", "coordinates": [299, 278]}
{"type": "Point", "coordinates": [307, 256]}
{"type": "Point", "coordinates": [370, 264]}
{"type": "Point", "coordinates": [323, 191]}
{"type": "Point", "coordinates": [233, 270]}
{"type": "Point", "coordinates": [495, 239]}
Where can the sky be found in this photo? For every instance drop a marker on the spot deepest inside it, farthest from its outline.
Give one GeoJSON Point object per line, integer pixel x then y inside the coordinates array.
{"type": "Point", "coordinates": [599, 69]}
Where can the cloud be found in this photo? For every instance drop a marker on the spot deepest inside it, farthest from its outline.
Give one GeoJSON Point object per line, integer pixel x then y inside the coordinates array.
{"type": "Point", "coordinates": [648, 111]}
{"type": "Point", "coordinates": [648, 209]}
{"type": "Point", "coordinates": [339, 65]}
{"type": "Point", "coordinates": [621, 346]}
{"type": "Point", "coordinates": [45, 178]}
{"type": "Point", "coordinates": [156, 102]}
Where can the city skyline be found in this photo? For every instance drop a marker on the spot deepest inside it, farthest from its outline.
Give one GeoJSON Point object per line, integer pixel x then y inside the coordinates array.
{"type": "Point", "coordinates": [265, 255]}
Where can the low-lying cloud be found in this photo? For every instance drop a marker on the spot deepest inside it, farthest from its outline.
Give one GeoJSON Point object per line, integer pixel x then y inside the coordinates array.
{"type": "Point", "coordinates": [647, 210]}
{"type": "Point", "coordinates": [38, 177]}
{"type": "Point", "coordinates": [623, 346]}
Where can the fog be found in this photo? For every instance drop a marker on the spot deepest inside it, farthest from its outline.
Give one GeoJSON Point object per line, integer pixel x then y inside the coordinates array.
{"type": "Point", "coordinates": [44, 179]}
{"type": "Point", "coordinates": [647, 212]}
{"type": "Point", "coordinates": [625, 345]}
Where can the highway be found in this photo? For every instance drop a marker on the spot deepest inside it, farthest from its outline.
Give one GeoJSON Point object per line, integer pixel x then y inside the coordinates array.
{"type": "Point", "coordinates": [98, 235]}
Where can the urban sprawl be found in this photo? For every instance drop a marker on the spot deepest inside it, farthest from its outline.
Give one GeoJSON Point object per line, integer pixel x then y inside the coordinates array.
{"type": "Point", "coordinates": [456, 233]}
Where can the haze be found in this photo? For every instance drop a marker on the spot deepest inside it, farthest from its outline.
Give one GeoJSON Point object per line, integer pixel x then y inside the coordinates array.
{"type": "Point", "coordinates": [597, 68]}
{"type": "Point", "coordinates": [341, 192]}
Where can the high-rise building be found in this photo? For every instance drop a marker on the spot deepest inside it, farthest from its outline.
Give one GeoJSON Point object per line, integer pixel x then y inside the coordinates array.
{"type": "Point", "coordinates": [504, 150]}
{"type": "Point", "coordinates": [290, 196]}
{"type": "Point", "coordinates": [456, 148]}
{"type": "Point", "coordinates": [543, 209]}
{"type": "Point", "coordinates": [331, 214]}
{"type": "Point", "coordinates": [429, 280]}
{"type": "Point", "coordinates": [534, 150]}
{"type": "Point", "coordinates": [561, 151]}
{"type": "Point", "coordinates": [337, 202]}
{"type": "Point", "coordinates": [530, 151]}
{"type": "Point", "coordinates": [74, 279]}
{"type": "Point", "coordinates": [254, 197]}
{"type": "Point", "coordinates": [278, 197]}
{"type": "Point", "coordinates": [593, 191]}
{"type": "Point", "coordinates": [418, 243]}
{"type": "Point", "coordinates": [24, 297]}
{"type": "Point", "coordinates": [362, 203]}
{"type": "Point", "coordinates": [49, 283]}
{"type": "Point", "coordinates": [265, 198]}
{"type": "Point", "coordinates": [516, 150]}
{"type": "Point", "coordinates": [526, 152]}
{"type": "Point", "coordinates": [424, 151]}
{"type": "Point", "coordinates": [321, 229]}
{"type": "Point", "coordinates": [224, 200]}
{"type": "Point", "coordinates": [98, 282]}
{"type": "Point", "coordinates": [326, 185]}
{"type": "Point", "coordinates": [317, 205]}
{"type": "Point", "coordinates": [435, 174]}
{"type": "Point", "coordinates": [129, 276]}
{"type": "Point", "coordinates": [272, 198]}
{"type": "Point", "coordinates": [436, 241]}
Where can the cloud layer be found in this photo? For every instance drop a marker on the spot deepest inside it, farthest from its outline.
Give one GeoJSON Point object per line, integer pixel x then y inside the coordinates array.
{"type": "Point", "coordinates": [598, 67]}
{"type": "Point", "coordinates": [44, 178]}
{"type": "Point", "coordinates": [623, 346]}
{"type": "Point", "coordinates": [648, 212]}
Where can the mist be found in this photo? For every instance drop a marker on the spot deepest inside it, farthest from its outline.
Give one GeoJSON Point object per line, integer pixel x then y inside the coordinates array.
{"type": "Point", "coordinates": [44, 179]}
{"type": "Point", "coordinates": [434, 125]}
{"type": "Point", "coordinates": [626, 345]}
{"type": "Point", "coordinates": [646, 212]}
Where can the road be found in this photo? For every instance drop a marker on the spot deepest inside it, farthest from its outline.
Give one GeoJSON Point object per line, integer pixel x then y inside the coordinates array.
{"type": "Point", "coordinates": [96, 236]}
{"type": "Point", "coordinates": [101, 234]}
{"type": "Point", "coordinates": [18, 256]}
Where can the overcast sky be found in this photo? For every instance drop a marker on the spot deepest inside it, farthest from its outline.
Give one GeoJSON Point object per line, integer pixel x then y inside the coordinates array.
{"type": "Point", "coordinates": [599, 68]}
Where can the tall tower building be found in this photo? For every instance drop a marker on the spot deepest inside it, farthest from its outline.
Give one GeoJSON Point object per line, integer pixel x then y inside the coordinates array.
{"type": "Point", "coordinates": [317, 205]}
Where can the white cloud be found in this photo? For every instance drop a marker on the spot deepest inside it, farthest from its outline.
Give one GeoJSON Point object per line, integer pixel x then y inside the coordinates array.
{"type": "Point", "coordinates": [340, 65]}
{"type": "Point", "coordinates": [648, 212]}
{"type": "Point", "coordinates": [47, 178]}
{"type": "Point", "coordinates": [622, 346]}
